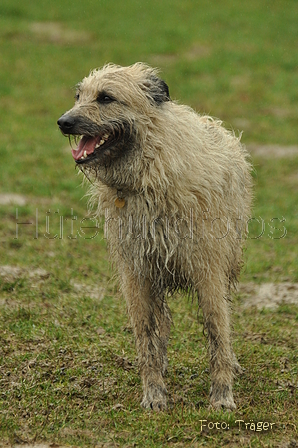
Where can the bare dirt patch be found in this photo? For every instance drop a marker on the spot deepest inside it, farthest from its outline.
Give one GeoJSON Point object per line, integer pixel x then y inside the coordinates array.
{"type": "Point", "coordinates": [93, 292]}
{"type": "Point", "coordinates": [13, 273]}
{"type": "Point", "coordinates": [197, 51]}
{"type": "Point", "coordinates": [41, 445]}
{"type": "Point", "coordinates": [163, 59]}
{"type": "Point", "coordinates": [268, 295]}
{"type": "Point", "coordinates": [57, 33]}
{"type": "Point", "coordinates": [275, 151]}
{"type": "Point", "coordinates": [12, 199]}
{"type": "Point", "coordinates": [10, 273]}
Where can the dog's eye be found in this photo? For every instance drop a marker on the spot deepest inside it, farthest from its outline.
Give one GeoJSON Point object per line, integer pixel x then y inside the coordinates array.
{"type": "Point", "coordinates": [77, 96]}
{"type": "Point", "coordinates": [103, 98]}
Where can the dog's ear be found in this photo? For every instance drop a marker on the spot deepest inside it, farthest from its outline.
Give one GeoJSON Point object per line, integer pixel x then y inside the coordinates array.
{"type": "Point", "coordinates": [157, 90]}
{"type": "Point", "coordinates": [160, 90]}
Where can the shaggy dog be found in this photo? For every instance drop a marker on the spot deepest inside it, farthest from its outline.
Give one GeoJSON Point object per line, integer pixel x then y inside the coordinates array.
{"type": "Point", "coordinates": [175, 189]}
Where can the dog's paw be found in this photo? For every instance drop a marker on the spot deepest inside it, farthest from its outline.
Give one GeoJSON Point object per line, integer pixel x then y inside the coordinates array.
{"type": "Point", "coordinates": [155, 398]}
{"type": "Point", "coordinates": [221, 397]}
{"type": "Point", "coordinates": [223, 403]}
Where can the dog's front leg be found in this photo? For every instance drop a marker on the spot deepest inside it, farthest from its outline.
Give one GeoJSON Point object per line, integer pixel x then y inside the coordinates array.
{"type": "Point", "coordinates": [223, 362]}
{"type": "Point", "coordinates": [151, 321]}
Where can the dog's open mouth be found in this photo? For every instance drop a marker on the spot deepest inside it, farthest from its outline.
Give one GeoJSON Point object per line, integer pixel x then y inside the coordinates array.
{"type": "Point", "coordinates": [88, 146]}
{"type": "Point", "coordinates": [97, 145]}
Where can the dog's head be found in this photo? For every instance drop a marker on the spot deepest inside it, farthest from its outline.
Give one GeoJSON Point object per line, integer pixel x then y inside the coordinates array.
{"type": "Point", "coordinates": [112, 105]}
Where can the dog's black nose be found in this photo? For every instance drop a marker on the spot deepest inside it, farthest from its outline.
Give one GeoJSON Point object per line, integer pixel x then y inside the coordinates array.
{"type": "Point", "coordinates": [66, 123]}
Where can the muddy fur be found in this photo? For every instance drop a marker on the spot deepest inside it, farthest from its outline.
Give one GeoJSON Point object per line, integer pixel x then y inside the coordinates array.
{"type": "Point", "coordinates": [175, 189]}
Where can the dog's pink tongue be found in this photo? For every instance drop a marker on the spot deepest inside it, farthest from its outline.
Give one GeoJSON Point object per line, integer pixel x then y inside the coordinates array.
{"type": "Point", "coordinates": [85, 144]}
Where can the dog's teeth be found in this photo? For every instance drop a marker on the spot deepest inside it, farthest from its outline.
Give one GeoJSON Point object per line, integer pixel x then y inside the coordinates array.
{"type": "Point", "coordinates": [97, 146]}
{"type": "Point", "coordinates": [82, 158]}
{"type": "Point", "coordinates": [106, 136]}
{"type": "Point", "coordinates": [85, 154]}
{"type": "Point", "coordinates": [101, 142]}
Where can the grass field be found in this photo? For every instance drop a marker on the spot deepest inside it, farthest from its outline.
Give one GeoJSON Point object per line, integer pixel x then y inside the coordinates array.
{"type": "Point", "coordinates": [68, 373]}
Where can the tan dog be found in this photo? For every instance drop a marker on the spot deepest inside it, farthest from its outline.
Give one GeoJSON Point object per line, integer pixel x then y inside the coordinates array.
{"type": "Point", "coordinates": [175, 188]}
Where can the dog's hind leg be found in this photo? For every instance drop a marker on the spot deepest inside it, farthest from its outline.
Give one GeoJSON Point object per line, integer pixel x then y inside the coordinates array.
{"type": "Point", "coordinates": [151, 322]}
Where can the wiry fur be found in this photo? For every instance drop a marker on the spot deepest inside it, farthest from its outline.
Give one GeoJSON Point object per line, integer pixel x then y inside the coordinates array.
{"type": "Point", "coordinates": [186, 185]}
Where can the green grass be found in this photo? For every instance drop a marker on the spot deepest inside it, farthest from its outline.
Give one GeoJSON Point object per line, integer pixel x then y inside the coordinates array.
{"type": "Point", "coordinates": [68, 371]}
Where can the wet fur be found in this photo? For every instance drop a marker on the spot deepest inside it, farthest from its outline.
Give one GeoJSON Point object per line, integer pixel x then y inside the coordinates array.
{"type": "Point", "coordinates": [185, 181]}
